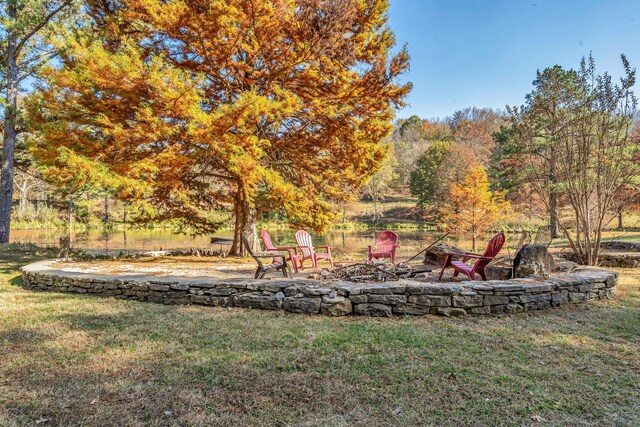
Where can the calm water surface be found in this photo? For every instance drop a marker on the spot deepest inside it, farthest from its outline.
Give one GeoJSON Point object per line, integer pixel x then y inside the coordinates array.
{"type": "Point", "coordinates": [352, 242]}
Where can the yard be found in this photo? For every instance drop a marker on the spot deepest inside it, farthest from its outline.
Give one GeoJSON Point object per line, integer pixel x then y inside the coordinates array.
{"type": "Point", "coordinates": [82, 360]}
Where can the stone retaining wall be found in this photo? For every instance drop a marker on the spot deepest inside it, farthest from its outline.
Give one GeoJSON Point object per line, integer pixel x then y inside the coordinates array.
{"type": "Point", "coordinates": [337, 298]}
{"type": "Point", "coordinates": [623, 255]}
{"type": "Point", "coordinates": [615, 254]}
{"type": "Point", "coordinates": [617, 245]}
{"type": "Point", "coordinates": [621, 260]}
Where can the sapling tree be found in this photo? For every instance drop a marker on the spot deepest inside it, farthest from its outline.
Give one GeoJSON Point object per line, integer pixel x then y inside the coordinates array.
{"type": "Point", "coordinates": [472, 208]}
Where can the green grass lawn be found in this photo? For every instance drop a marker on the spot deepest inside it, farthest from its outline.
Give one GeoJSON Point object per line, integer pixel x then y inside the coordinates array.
{"type": "Point", "coordinates": [81, 360]}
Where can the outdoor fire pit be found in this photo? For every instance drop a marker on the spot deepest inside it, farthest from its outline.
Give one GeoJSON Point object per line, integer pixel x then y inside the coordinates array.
{"type": "Point", "coordinates": [372, 273]}
{"type": "Point", "coordinates": [362, 289]}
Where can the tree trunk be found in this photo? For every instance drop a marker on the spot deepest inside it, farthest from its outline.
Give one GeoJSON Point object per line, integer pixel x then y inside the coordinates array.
{"type": "Point", "coordinates": [24, 188]}
{"type": "Point", "coordinates": [70, 210]}
{"type": "Point", "coordinates": [106, 209]}
{"type": "Point", "coordinates": [553, 215]}
{"type": "Point", "coordinates": [6, 172]}
{"type": "Point", "coordinates": [245, 225]}
{"type": "Point", "coordinates": [553, 204]}
{"type": "Point", "coordinates": [620, 219]}
{"type": "Point", "coordinates": [70, 220]}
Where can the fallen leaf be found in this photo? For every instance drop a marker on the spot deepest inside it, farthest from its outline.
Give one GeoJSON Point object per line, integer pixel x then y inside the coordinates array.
{"type": "Point", "coordinates": [537, 418]}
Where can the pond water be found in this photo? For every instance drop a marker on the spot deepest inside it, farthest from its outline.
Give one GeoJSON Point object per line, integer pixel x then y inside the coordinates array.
{"type": "Point", "coordinates": [353, 242]}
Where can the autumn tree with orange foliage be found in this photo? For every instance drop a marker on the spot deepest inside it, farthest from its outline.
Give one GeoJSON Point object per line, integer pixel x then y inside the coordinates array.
{"type": "Point", "coordinates": [473, 209]}
{"type": "Point", "coordinates": [249, 106]}
{"type": "Point", "coordinates": [473, 128]}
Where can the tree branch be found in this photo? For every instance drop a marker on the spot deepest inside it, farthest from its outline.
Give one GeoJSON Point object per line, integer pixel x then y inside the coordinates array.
{"type": "Point", "coordinates": [39, 26]}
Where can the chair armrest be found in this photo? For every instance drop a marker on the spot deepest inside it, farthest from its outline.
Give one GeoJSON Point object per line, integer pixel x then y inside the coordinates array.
{"type": "Point", "coordinates": [473, 253]}
{"type": "Point", "coordinates": [288, 248]}
{"type": "Point", "coordinates": [467, 254]}
{"type": "Point", "coordinates": [473, 256]}
{"type": "Point", "coordinates": [455, 254]}
{"type": "Point", "coordinates": [269, 256]}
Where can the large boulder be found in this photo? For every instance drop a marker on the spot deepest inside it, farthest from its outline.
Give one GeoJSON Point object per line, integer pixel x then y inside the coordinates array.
{"type": "Point", "coordinates": [499, 269]}
{"type": "Point", "coordinates": [532, 260]}
{"type": "Point", "coordinates": [436, 255]}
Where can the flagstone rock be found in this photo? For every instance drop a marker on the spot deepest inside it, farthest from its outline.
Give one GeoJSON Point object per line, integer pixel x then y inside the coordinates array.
{"type": "Point", "coordinates": [374, 310]}
{"type": "Point", "coordinates": [302, 305]}
{"type": "Point", "coordinates": [336, 306]}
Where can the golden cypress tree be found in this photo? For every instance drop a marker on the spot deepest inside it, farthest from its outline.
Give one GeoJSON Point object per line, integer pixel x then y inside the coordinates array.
{"type": "Point", "coordinates": [472, 208]}
{"type": "Point", "coordinates": [263, 105]}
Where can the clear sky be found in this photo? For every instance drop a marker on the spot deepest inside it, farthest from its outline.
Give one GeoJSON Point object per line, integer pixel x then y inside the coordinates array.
{"type": "Point", "coordinates": [485, 53]}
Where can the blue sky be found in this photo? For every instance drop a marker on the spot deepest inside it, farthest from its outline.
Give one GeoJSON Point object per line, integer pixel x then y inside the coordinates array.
{"type": "Point", "coordinates": [485, 53]}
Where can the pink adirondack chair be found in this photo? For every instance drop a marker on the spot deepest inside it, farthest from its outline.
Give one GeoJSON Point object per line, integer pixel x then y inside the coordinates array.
{"type": "Point", "coordinates": [292, 251]}
{"type": "Point", "coordinates": [385, 247]}
{"type": "Point", "coordinates": [493, 248]}
{"type": "Point", "coordinates": [308, 251]}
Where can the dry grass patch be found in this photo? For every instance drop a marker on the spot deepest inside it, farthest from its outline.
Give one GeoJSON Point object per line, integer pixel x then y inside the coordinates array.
{"type": "Point", "coordinates": [82, 360]}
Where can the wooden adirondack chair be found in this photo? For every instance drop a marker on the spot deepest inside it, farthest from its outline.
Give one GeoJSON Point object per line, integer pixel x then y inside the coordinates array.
{"type": "Point", "coordinates": [385, 247]}
{"type": "Point", "coordinates": [308, 251]}
{"type": "Point", "coordinates": [279, 262]}
{"type": "Point", "coordinates": [493, 248]}
{"type": "Point", "coordinates": [266, 239]}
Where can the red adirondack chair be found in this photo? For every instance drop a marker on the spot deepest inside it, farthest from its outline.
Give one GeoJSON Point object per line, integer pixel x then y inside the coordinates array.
{"type": "Point", "coordinates": [266, 239]}
{"type": "Point", "coordinates": [385, 247]}
{"type": "Point", "coordinates": [493, 248]}
{"type": "Point", "coordinates": [308, 251]}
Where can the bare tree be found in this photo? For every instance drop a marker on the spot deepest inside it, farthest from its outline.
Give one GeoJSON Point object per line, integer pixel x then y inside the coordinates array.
{"type": "Point", "coordinates": [24, 182]}
{"type": "Point", "coordinates": [574, 145]}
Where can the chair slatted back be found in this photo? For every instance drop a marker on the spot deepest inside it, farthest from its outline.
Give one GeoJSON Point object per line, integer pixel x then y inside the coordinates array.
{"type": "Point", "coordinates": [386, 241]}
{"type": "Point", "coordinates": [247, 247]}
{"type": "Point", "coordinates": [304, 239]}
{"type": "Point", "coordinates": [493, 248]}
{"type": "Point", "coordinates": [266, 239]}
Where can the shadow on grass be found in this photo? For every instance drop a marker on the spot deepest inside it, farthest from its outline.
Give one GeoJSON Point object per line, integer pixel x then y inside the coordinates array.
{"type": "Point", "coordinates": [11, 263]}
{"type": "Point", "coordinates": [23, 335]}
{"type": "Point", "coordinates": [40, 297]}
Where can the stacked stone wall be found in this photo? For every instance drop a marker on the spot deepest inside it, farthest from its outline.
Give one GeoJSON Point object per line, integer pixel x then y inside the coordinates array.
{"type": "Point", "coordinates": [337, 298]}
